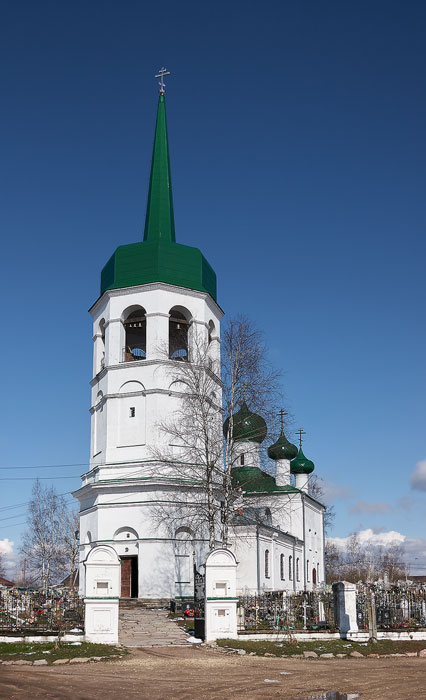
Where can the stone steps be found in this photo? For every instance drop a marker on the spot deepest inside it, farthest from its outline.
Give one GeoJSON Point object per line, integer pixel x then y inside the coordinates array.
{"type": "Point", "coordinates": [142, 627]}
{"type": "Point", "coordinates": [147, 603]}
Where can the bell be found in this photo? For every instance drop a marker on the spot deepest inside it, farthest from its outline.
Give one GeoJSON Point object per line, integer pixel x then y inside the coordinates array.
{"type": "Point", "coordinates": [178, 326]}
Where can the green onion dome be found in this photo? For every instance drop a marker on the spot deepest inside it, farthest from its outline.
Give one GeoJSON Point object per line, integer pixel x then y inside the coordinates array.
{"type": "Point", "coordinates": [282, 449]}
{"type": "Point", "coordinates": [301, 465]}
{"type": "Point", "coordinates": [247, 425]}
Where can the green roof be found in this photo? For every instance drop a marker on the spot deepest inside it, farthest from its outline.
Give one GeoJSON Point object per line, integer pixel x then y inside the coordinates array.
{"type": "Point", "coordinates": [246, 425]}
{"type": "Point", "coordinates": [301, 464]}
{"type": "Point", "coordinates": [282, 449]}
{"type": "Point", "coordinates": [254, 481]}
{"type": "Point", "coordinates": [158, 258]}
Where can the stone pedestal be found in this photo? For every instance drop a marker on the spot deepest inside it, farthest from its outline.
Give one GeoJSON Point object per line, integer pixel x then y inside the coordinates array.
{"type": "Point", "coordinates": [221, 600]}
{"type": "Point", "coordinates": [345, 607]}
{"type": "Point", "coordinates": [102, 593]}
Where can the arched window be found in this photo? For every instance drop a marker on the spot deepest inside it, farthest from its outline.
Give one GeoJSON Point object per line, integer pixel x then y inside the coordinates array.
{"type": "Point", "coordinates": [307, 570]}
{"type": "Point", "coordinates": [178, 334]}
{"type": "Point", "coordinates": [242, 459]}
{"type": "Point", "coordinates": [266, 563]}
{"type": "Point", "coordinates": [297, 570]}
{"type": "Point", "coordinates": [290, 568]}
{"type": "Point", "coordinates": [282, 567]}
{"type": "Point", "coordinates": [314, 576]}
{"type": "Point", "coordinates": [134, 324]}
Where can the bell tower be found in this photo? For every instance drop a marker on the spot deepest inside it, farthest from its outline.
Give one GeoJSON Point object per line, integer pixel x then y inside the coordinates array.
{"type": "Point", "coordinates": [157, 299]}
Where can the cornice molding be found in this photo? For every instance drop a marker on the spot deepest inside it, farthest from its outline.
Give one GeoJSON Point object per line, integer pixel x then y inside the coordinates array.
{"type": "Point", "coordinates": [154, 286]}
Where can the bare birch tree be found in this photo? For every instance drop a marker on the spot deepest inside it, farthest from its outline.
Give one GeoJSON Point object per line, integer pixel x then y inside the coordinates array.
{"type": "Point", "coordinates": [206, 455]}
{"type": "Point", "coordinates": [46, 543]}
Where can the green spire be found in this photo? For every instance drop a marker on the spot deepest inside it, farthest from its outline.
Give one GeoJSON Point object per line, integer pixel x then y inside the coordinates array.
{"type": "Point", "coordinates": [159, 221]}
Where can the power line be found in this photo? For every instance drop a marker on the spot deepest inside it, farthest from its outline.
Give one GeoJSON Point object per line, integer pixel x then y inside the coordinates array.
{"type": "Point", "coordinates": [34, 478]}
{"type": "Point", "coordinates": [50, 466]}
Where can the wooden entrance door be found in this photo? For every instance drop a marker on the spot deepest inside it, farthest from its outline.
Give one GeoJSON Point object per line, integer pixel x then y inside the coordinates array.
{"type": "Point", "coordinates": [129, 577]}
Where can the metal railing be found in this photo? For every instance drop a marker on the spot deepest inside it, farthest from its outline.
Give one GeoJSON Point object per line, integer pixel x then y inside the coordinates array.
{"type": "Point", "coordinates": [287, 611]}
{"type": "Point", "coordinates": [27, 611]}
{"type": "Point", "coordinates": [135, 354]}
{"type": "Point", "coordinates": [392, 607]}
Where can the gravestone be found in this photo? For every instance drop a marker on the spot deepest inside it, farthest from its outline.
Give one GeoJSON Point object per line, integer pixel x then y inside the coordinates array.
{"type": "Point", "coordinates": [102, 595]}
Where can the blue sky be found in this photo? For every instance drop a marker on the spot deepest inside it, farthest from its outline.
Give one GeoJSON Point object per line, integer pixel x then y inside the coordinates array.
{"type": "Point", "coordinates": [299, 168]}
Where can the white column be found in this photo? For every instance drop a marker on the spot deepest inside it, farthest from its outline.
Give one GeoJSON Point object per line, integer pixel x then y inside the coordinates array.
{"type": "Point", "coordinates": [157, 336]}
{"type": "Point", "coordinates": [114, 341]}
{"type": "Point", "coordinates": [282, 474]}
{"type": "Point", "coordinates": [302, 482]}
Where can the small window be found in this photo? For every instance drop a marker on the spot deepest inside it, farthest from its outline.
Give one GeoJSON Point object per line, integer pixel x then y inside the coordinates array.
{"type": "Point", "coordinates": [102, 585]}
{"type": "Point", "coordinates": [282, 567]}
{"type": "Point", "coordinates": [221, 613]}
{"type": "Point", "coordinates": [290, 568]}
{"type": "Point", "coordinates": [242, 460]}
{"type": "Point", "coordinates": [307, 570]}
{"type": "Point", "coordinates": [221, 588]}
{"type": "Point", "coordinates": [132, 412]}
{"type": "Point", "coordinates": [297, 570]}
{"type": "Point", "coordinates": [266, 563]}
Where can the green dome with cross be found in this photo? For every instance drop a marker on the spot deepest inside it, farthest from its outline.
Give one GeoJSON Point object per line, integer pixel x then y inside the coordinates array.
{"type": "Point", "coordinates": [282, 449]}
{"type": "Point", "coordinates": [300, 464]}
{"type": "Point", "coordinates": [246, 425]}
{"type": "Point", "coordinates": [158, 258]}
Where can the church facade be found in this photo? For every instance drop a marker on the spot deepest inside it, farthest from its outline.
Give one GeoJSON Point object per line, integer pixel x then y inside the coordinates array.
{"type": "Point", "coordinates": [157, 299]}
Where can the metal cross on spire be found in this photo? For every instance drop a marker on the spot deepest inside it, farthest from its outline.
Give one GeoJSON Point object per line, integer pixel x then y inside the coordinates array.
{"type": "Point", "coordinates": [281, 414]}
{"type": "Point", "coordinates": [301, 432]}
{"type": "Point", "coordinates": [161, 73]}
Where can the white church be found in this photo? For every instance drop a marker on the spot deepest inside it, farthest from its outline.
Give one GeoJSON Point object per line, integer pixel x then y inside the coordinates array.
{"type": "Point", "coordinates": [153, 295]}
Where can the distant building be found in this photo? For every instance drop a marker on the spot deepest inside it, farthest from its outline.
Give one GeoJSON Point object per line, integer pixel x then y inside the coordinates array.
{"type": "Point", "coordinates": [5, 582]}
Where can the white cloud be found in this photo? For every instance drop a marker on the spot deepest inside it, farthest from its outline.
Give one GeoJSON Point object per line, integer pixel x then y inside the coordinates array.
{"type": "Point", "coordinates": [380, 507]}
{"type": "Point", "coordinates": [418, 476]}
{"type": "Point", "coordinates": [372, 537]}
{"type": "Point", "coordinates": [6, 546]}
{"type": "Point", "coordinates": [414, 547]}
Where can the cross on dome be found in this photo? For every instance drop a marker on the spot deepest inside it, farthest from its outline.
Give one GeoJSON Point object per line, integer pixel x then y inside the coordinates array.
{"type": "Point", "coordinates": [281, 414]}
{"type": "Point", "coordinates": [161, 73]}
{"type": "Point", "coordinates": [301, 432]}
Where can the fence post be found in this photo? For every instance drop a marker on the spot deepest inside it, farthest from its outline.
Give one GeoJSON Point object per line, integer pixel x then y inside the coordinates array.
{"type": "Point", "coordinates": [102, 593]}
{"type": "Point", "coordinates": [345, 607]}
{"type": "Point", "coordinates": [221, 601]}
{"type": "Point", "coordinates": [371, 615]}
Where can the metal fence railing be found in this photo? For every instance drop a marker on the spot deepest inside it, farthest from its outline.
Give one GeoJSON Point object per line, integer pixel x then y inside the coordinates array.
{"type": "Point", "coordinates": [390, 607]}
{"type": "Point", "coordinates": [287, 611]}
{"type": "Point", "coordinates": [23, 610]}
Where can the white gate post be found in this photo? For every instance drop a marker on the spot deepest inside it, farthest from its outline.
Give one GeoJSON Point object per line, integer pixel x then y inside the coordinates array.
{"type": "Point", "coordinates": [220, 595]}
{"type": "Point", "coordinates": [345, 607]}
{"type": "Point", "coordinates": [102, 594]}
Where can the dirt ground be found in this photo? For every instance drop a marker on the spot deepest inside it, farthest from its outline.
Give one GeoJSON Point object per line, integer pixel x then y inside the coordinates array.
{"type": "Point", "coordinates": [201, 674]}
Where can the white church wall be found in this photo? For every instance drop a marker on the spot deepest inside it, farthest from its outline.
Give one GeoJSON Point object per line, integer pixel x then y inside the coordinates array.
{"type": "Point", "coordinates": [314, 543]}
